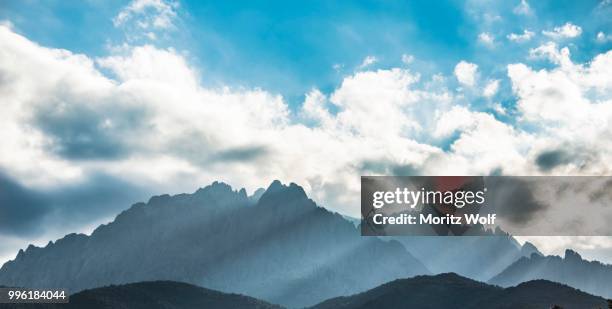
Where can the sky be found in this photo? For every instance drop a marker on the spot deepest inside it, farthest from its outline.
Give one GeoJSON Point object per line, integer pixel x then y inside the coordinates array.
{"type": "Point", "coordinates": [106, 103]}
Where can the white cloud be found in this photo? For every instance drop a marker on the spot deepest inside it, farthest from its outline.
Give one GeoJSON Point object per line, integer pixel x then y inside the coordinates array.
{"type": "Point", "coordinates": [7, 23]}
{"type": "Point", "coordinates": [151, 13]}
{"type": "Point", "coordinates": [147, 20]}
{"type": "Point", "coordinates": [491, 88]}
{"type": "Point", "coordinates": [465, 72]}
{"type": "Point", "coordinates": [551, 52]}
{"type": "Point", "coordinates": [520, 38]}
{"type": "Point", "coordinates": [498, 108]}
{"type": "Point", "coordinates": [178, 132]}
{"type": "Point", "coordinates": [523, 8]}
{"type": "Point", "coordinates": [367, 61]}
{"type": "Point", "coordinates": [567, 31]}
{"type": "Point", "coordinates": [571, 104]}
{"type": "Point", "coordinates": [407, 59]}
{"type": "Point", "coordinates": [602, 37]}
{"type": "Point", "coordinates": [487, 39]}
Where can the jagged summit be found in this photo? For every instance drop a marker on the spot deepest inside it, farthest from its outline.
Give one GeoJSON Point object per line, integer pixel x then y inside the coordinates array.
{"type": "Point", "coordinates": [254, 198]}
{"type": "Point", "coordinates": [278, 193]}
{"type": "Point", "coordinates": [572, 255]}
{"type": "Point", "coordinates": [529, 249]}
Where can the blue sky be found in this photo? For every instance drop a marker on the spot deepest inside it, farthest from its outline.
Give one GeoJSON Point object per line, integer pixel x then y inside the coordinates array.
{"type": "Point", "coordinates": [290, 47]}
{"type": "Point", "coordinates": [115, 101]}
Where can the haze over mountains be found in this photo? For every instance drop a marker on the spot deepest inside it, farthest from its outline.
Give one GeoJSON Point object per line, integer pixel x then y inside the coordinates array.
{"type": "Point", "coordinates": [277, 245]}
{"type": "Point", "coordinates": [476, 257]}
{"type": "Point", "coordinates": [590, 276]}
{"type": "Point", "coordinates": [281, 248]}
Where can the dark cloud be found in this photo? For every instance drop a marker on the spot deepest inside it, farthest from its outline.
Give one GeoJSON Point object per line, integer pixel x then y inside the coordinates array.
{"type": "Point", "coordinates": [513, 199]}
{"type": "Point", "coordinates": [602, 193]}
{"type": "Point", "coordinates": [241, 154]}
{"type": "Point", "coordinates": [498, 171]}
{"type": "Point", "coordinates": [548, 160]}
{"type": "Point", "coordinates": [82, 132]}
{"type": "Point", "coordinates": [28, 212]}
{"type": "Point", "coordinates": [20, 208]}
{"type": "Point", "coordinates": [389, 168]}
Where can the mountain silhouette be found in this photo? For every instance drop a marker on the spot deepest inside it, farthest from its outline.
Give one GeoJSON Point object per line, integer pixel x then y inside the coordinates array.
{"type": "Point", "coordinates": [476, 257]}
{"type": "Point", "coordinates": [453, 291]}
{"type": "Point", "coordinates": [590, 276]}
{"type": "Point", "coordinates": [441, 291]}
{"type": "Point", "coordinates": [280, 247]}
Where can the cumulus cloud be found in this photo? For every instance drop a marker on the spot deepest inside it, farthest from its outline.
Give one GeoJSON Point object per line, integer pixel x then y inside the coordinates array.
{"type": "Point", "coordinates": [465, 72]}
{"type": "Point", "coordinates": [521, 37]}
{"type": "Point", "coordinates": [567, 31]}
{"type": "Point", "coordinates": [571, 104]}
{"type": "Point", "coordinates": [142, 116]}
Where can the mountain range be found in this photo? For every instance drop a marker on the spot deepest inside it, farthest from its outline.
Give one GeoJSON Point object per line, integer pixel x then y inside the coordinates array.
{"type": "Point", "coordinates": [277, 245]}
{"type": "Point", "coordinates": [476, 257]}
{"type": "Point", "coordinates": [280, 247]}
{"type": "Point", "coordinates": [153, 295]}
{"type": "Point", "coordinates": [590, 276]}
{"type": "Point", "coordinates": [440, 291]}
{"type": "Point", "coordinates": [453, 291]}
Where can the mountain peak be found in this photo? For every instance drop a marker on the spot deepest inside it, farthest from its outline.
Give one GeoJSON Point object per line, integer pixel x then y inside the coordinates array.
{"type": "Point", "coordinates": [529, 249]}
{"type": "Point", "coordinates": [279, 191]}
{"type": "Point", "coordinates": [275, 186]}
{"type": "Point", "coordinates": [257, 195]}
{"type": "Point", "coordinates": [215, 186]}
{"type": "Point", "coordinates": [572, 255]}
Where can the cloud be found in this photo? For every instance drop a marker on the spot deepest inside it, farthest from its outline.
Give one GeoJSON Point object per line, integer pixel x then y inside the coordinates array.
{"type": "Point", "coordinates": [407, 59]}
{"type": "Point", "coordinates": [551, 52]}
{"type": "Point", "coordinates": [367, 61]}
{"type": "Point", "coordinates": [520, 38]}
{"type": "Point", "coordinates": [567, 31]}
{"type": "Point", "coordinates": [491, 88]}
{"type": "Point", "coordinates": [487, 39]}
{"type": "Point", "coordinates": [147, 20]}
{"type": "Point", "coordinates": [21, 209]}
{"type": "Point", "coordinates": [240, 154]}
{"type": "Point", "coordinates": [28, 212]}
{"type": "Point", "coordinates": [465, 72]}
{"type": "Point", "coordinates": [524, 209]}
{"type": "Point", "coordinates": [523, 8]}
{"type": "Point", "coordinates": [570, 104]}
{"type": "Point", "coordinates": [150, 13]}
{"type": "Point", "coordinates": [142, 115]}
{"type": "Point", "coordinates": [550, 159]}
{"type": "Point", "coordinates": [602, 37]}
